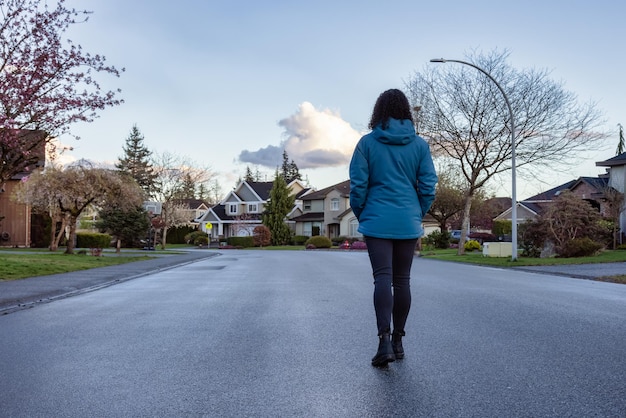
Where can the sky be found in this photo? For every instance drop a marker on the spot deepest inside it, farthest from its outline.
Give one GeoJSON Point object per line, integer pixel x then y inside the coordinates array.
{"type": "Point", "coordinates": [230, 85]}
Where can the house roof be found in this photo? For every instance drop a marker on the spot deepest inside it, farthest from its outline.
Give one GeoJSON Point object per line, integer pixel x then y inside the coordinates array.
{"type": "Point", "coordinates": [540, 202]}
{"type": "Point", "coordinates": [343, 188]}
{"type": "Point", "coordinates": [552, 193]}
{"type": "Point", "coordinates": [303, 192]}
{"type": "Point", "coordinates": [598, 183]}
{"type": "Point", "coordinates": [192, 203]}
{"type": "Point", "coordinates": [219, 211]}
{"type": "Point", "coordinates": [261, 188]}
{"type": "Point", "coordinates": [615, 161]}
{"type": "Point", "coordinates": [309, 217]}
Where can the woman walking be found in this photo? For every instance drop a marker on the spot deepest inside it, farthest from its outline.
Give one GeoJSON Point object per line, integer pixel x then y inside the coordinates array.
{"type": "Point", "coordinates": [392, 185]}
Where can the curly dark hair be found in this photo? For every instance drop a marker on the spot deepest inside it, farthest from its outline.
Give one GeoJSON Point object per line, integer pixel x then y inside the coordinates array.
{"type": "Point", "coordinates": [391, 103]}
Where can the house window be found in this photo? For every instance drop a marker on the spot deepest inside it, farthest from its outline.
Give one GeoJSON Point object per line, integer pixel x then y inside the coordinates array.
{"type": "Point", "coordinates": [232, 208]}
{"type": "Point", "coordinates": [253, 208]}
{"type": "Point", "coordinates": [312, 228]}
{"type": "Point", "coordinates": [354, 228]}
{"type": "Point", "coordinates": [307, 206]}
{"type": "Point", "coordinates": [334, 204]}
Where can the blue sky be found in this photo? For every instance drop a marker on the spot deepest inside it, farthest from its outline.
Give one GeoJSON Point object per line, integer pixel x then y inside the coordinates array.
{"type": "Point", "coordinates": [231, 84]}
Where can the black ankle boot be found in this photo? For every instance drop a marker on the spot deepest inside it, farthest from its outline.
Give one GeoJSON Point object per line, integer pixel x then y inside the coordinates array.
{"type": "Point", "coordinates": [385, 351]}
{"type": "Point", "coordinates": [396, 343]}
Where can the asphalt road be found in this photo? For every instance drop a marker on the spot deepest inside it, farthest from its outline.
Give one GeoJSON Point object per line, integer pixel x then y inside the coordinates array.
{"type": "Point", "coordinates": [284, 334]}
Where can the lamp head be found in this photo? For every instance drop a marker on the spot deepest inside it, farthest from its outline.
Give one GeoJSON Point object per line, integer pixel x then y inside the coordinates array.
{"type": "Point", "coordinates": [437, 60]}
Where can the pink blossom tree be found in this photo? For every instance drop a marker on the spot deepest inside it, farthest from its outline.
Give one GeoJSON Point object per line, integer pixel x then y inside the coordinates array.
{"type": "Point", "coordinates": [46, 82]}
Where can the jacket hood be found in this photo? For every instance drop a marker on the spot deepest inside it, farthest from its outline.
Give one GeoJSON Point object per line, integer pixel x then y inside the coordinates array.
{"type": "Point", "coordinates": [398, 132]}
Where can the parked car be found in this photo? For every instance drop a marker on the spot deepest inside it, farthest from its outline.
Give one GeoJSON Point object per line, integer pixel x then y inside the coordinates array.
{"type": "Point", "coordinates": [455, 234]}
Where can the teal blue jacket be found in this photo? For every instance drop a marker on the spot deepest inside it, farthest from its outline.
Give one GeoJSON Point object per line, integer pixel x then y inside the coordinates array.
{"type": "Point", "coordinates": [392, 181]}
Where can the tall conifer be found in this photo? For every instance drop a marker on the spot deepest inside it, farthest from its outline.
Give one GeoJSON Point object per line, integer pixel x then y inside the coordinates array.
{"type": "Point", "coordinates": [136, 161]}
{"type": "Point", "coordinates": [280, 204]}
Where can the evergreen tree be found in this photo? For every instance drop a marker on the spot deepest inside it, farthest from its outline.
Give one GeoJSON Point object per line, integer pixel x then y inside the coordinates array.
{"type": "Point", "coordinates": [279, 205]}
{"type": "Point", "coordinates": [257, 175]}
{"type": "Point", "coordinates": [188, 188]}
{"type": "Point", "coordinates": [620, 146]}
{"type": "Point", "coordinates": [128, 226]}
{"type": "Point", "coordinates": [249, 177]}
{"type": "Point", "coordinates": [289, 169]}
{"type": "Point", "coordinates": [136, 161]}
{"type": "Point", "coordinates": [203, 192]}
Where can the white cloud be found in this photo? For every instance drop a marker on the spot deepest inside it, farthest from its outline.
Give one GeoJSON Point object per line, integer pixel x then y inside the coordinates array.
{"type": "Point", "coordinates": [313, 139]}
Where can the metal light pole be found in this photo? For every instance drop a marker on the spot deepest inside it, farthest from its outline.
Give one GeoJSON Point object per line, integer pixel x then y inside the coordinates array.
{"type": "Point", "coordinates": [513, 189]}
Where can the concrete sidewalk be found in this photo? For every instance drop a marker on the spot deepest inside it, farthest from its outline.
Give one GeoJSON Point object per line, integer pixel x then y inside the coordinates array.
{"type": "Point", "coordinates": [580, 271]}
{"type": "Point", "coordinates": [25, 293]}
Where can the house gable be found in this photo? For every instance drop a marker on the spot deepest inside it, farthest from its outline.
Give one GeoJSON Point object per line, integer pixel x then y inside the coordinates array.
{"type": "Point", "coordinates": [231, 197]}
{"type": "Point", "coordinates": [248, 194]}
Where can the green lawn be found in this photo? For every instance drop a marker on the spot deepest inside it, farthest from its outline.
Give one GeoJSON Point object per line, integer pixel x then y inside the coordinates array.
{"type": "Point", "coordinates": [476, 257]}
{"type": "Point", "coordinates": [606, 256]}
{"type": "Point", "coordinates": [22, 264]}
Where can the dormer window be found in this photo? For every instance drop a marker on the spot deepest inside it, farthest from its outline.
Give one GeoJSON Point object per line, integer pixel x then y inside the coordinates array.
{"type": "Point", "coordinates": [232, 209]}
{"type": "Point", "coordinates": [253, 208]}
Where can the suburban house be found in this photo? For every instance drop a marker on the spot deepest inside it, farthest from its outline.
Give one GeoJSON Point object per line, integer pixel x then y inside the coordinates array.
{"type": "Point", "coordinates": [326, 212]}
{"type": "Point", "coordinates": [617, 180]}
{"type": "Point", "coordinates": [19, 227]}
{"type": "Point", "coordinates": [591, 189]}
{"type": "Point", "coordinates": [193, 209]}
{"type": "Point", "coordinates": [240, 211]}
{"type": "Point", "coordinates": [586, 188]}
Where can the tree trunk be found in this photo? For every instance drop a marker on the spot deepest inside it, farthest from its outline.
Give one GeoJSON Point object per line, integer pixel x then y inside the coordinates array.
{"type": "Point", "coordinates": [163, 237]}
{"type": "Point", "coordinates": [466, 222]}
{"type": "Point", "coordinates": [56, 237]}
{"type": "Point", "coordinates": [72, 238]}
{"type": "Point", "coordinates": [54, 243]}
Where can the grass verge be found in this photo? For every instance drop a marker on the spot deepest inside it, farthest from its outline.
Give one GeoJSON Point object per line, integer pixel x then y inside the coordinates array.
{"type": "Point", "coordinates": [476, 257]}
{"type": "Point", "coordinates": [22, 265]}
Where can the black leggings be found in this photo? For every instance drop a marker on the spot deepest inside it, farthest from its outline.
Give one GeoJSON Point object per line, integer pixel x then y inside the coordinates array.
{"type": "Point", "coordinates": [391, 261]}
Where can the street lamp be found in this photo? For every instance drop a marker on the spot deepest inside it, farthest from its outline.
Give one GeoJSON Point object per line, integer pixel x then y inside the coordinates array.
{"type": "Point", "coordinates": [513, 189]}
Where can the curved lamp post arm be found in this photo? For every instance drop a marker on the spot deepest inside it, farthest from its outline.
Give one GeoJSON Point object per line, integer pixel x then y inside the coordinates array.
{"type": "Point", "coordinates": [513, 179]}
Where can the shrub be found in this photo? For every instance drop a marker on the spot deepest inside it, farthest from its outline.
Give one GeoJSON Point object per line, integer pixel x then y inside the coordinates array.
{"type": "Point", "coordinates": [337, 241]}
{"type": "Point", "coordinates": [580, 247]}
{"type": "Point", "coordinates": [262, 236]}
{"type": "Point", "coordinates": [244, 242]}
{"type": "Point", "coordinates": [502, 227]}
{"type": "Point", "coordinates": [299, 239]}
{"type": "Point", "coordinates": [359, 245]}
{"type": "Point", "coordinates": [192, 236]}
{"type": "Point", "coordinates": [178, 234]}
{"type": "Point", "coordinates": [202, 240]}
{"type": "Point", "coordinates": [319, 241]}
{"type": "Point", "coordinates": [532, 236]}
{"type": "Point", "coordinates": [437, 239]}
{"type": "Point", "coordinates": [472, 245]}
{"type": "Point", "coordinates": [93, 240]}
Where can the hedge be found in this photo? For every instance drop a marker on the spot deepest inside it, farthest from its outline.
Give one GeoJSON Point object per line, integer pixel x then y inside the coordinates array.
{"type": "Point", "coordinates": [299, 239]}
{"type": "Point", "coordinates": [245, 242]}
{"type": "Point", "coordinates": [92, 240]}
{"type": "Point", "coordinates": [319, 241]}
